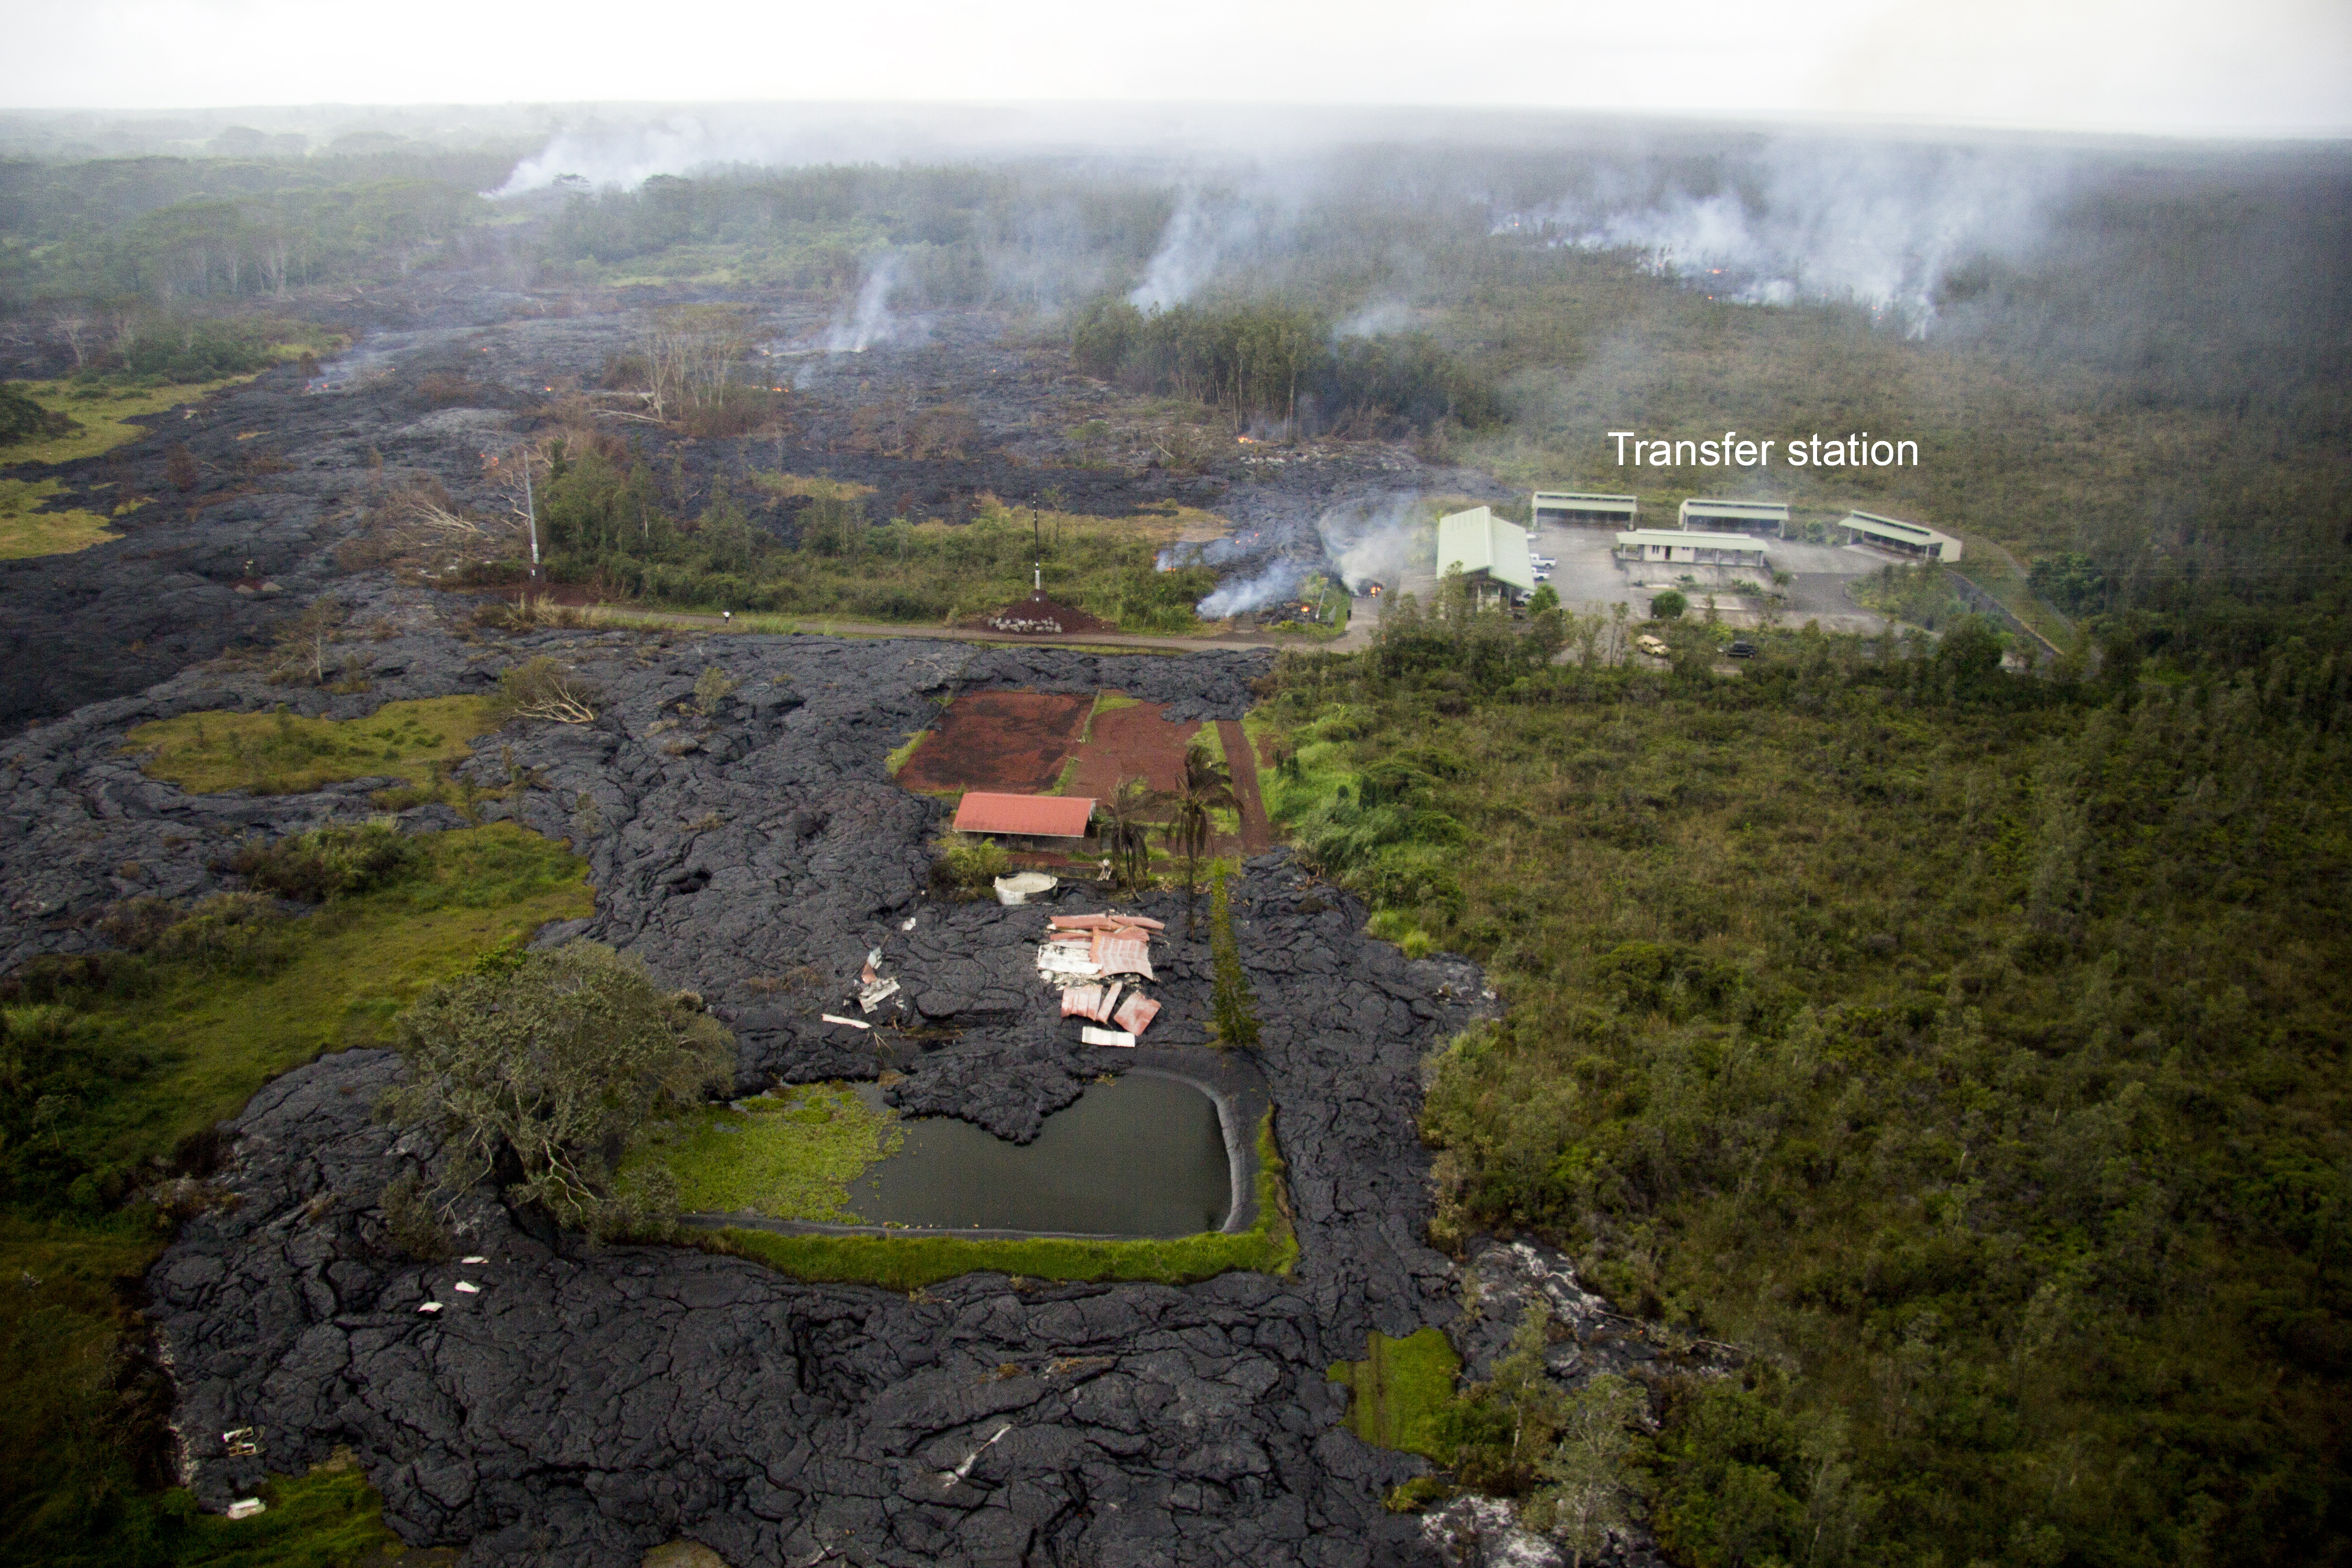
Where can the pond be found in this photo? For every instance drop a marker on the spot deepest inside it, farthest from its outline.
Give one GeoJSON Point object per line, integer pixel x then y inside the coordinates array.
{"type": "Point", "coordinates": [1143, 1155]}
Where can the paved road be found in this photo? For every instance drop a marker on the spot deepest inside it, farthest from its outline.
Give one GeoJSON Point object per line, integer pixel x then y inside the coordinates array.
{"type": "Point", "coordinates": [1358, 635]}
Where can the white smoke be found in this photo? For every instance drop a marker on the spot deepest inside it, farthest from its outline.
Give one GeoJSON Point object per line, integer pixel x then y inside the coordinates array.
{"type": "Point", "coordinates": [868, 322]}
{"type": "Point", "coordinates": [1383, 540]}
{"type": "Point", "coordinates": [1877, 224]}
{"type": "Point", "coordinates": [1277, 579]}
{"type": "Point", "coordinates": [1197, 240]}
{"type": "Point", "coordinates": [1377, 320]}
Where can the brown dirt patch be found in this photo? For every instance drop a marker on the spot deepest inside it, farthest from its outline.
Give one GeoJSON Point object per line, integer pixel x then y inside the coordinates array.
{"type": "Point", "coordinates": [1130, 742]}
{"type": "Point", "coordinates": [1011, 740]}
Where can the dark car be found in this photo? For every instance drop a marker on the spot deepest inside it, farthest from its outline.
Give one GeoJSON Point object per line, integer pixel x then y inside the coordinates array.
{"type": "Point", "coordinates": [1741, 650]}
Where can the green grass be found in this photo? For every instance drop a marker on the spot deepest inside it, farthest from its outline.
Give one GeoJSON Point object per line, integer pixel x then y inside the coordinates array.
{"type": "Point", "coordinates": [1400, 1389]}
{"type": "Point", "coordinates": [788, 1155]}
{"type": "Point", "coordinates": [25, 530]}
{"type": "Point", "coordinates": [901, 756]}
{"type": "Point", "coordinates": [103, 413]}
{"type": "Point", "coordinates": [283, 753]}
{"type": "Point", "coordinates": [912, 1262]}
{"type": "Point", "coordinates": [204, 1042]}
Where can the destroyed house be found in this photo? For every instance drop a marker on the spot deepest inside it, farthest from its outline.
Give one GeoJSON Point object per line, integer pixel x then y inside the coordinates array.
{"type": "Point", "coordinates": [1027, 821]}
{"type": "Point", "coordinates": [1769, 517]}
{"type": "Point", "coordinates": [1889, 533]}
{"type": "Point", "coordinates": [1490, 552]}
{"type": "Point", "coordinates": [1684, 547]}
{"type": "Point", "coordinates": [1584, 506]}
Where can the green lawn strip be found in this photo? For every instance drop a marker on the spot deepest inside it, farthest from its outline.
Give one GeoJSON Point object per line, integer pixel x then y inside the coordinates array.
{"type": "Point", "coordinates": [1400, 1389]}
{"type": "Point", "coordinates": [790, 1154]}
{"type": "Point", "coordinates": [284, 754]}
{"type": "Point", "coordinates": [902, 755]}
{"type": "Point", "coordinates": [25, 530]}
{"type": "Point", "coordinates": [911, 1262]}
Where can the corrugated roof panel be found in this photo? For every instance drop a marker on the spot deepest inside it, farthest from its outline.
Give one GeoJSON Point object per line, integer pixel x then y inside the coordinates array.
{"type": "Point", "coordinates": [1039, 816]}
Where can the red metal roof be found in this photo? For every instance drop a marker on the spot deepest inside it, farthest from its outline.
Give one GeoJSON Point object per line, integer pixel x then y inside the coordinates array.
{"type": "Point", "coordinates": [1040, 816]}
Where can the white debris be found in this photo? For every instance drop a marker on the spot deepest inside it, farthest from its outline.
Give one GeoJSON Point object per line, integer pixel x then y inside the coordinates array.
{"type": "Point", "coordinates": [477, 1257]}
{"type": "Point", "coordinates": [429, 1307]}
{"type": "Point", "coordinates": [247, 1506]}
{"type": "Point", "coordinates": [874, 995]}
{"type": "Point", "coordinates": [906, 924]}
{"type": "Point", "coordinates": [1095, 1037]}
{"type": "Point", "coordinates": [467, 1287]}
{"type": "Point", "coordinates": [837, 1018]}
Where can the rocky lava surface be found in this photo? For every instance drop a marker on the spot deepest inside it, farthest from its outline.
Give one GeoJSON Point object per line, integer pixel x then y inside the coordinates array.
{"type": "Point", "coordinates": [592, 1402]}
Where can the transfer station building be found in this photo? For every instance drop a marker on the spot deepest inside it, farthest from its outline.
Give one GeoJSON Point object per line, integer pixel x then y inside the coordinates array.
{"type": "Point", "coordinates": [1686, 547]}
{"type": "Point", "coordinates": [1910, 538]}
{"type": "Point", "coordinates": [1489, 552]}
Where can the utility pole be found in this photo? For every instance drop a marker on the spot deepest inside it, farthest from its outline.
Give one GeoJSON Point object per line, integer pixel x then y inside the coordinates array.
{"type": "Point", "coordinates": [529, 510]}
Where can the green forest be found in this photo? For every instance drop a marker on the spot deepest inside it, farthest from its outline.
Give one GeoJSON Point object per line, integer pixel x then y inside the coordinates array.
{"type": "Point", "coordinates": [1970, 1049]}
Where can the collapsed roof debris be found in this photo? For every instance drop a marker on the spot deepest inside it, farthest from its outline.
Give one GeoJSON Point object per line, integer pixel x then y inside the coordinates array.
{"type": "Point", "coordinates": [1080, 951]}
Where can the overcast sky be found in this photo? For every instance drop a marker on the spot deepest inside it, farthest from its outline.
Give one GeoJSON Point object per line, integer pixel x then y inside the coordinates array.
{"type": "Point", "coordinates": [2164, 66]}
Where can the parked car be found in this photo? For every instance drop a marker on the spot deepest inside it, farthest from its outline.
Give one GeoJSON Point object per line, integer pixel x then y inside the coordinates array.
{"type": "Point", "coordinates": [1654, 646]}
{"type": "Point", "coordinates": [1542, 575]}
{"type": "Point", "coordinates": [1741, 648]}
{"type": "Point", "coordinates": [1544, 561]}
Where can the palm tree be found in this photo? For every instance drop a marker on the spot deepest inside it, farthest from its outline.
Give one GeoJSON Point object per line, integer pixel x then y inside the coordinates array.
{"type": "Point", "coordinates": [1126, 833]}
{"type": "Point", "coordinates": [1206, 786]}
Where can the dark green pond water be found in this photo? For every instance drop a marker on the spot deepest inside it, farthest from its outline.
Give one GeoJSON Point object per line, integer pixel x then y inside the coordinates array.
{"type": "Point", "coordinates": [1141, 1156]}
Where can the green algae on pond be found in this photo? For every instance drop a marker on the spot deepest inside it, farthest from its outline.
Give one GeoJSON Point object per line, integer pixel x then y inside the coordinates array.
{"type": "Point", "coordinates": [1142, 1155]}
{"type": "Point", "coordinates": [790, 1154]}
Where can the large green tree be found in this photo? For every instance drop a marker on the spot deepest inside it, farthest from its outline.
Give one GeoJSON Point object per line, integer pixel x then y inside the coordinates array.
{"type": "Point", "coordinates": [557, 1058]}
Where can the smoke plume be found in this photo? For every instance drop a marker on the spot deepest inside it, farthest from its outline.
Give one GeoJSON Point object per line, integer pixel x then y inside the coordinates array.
{"type": "Point", "coordinates": [1382, 539]}
{"type": "Point", "coordinates": [1879, 225]}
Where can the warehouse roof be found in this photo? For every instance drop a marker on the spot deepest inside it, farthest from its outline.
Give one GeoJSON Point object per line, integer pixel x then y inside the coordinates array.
{"type": "Point", "coordinates": [1478, 541]}
{"type": "Point", "coordinates": [1911, 533]}
{"type": "Point", "coordinates": [1039, 816]}
{"type": "Point", "coordinates": [1772, 509]}
{"type": "Point", "coordinates": [1690, 539]}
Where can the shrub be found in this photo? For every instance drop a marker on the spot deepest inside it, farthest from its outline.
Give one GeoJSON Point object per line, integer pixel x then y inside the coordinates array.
{"type": "Point", "coordinates": [237, 933]}
{"type": "Point", "coordinates": [1668, 606]}
{"type": "Point", "coordinates": [21, 418]}
{"type": "Point", "coordinates": [712, 688]}
{"type": "Point", "coordinates": [328, 862]}
{"type": "Point", "coordinates": [965, 861]}
{"type": "Point", "coordinates": [543, 689]}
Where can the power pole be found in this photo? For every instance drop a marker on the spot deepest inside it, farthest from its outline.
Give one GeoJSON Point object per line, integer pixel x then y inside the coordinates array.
{"type": "Point", "coordinates": [529, 510]}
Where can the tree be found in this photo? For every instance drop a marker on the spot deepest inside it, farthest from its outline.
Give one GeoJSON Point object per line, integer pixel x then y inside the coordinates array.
{"type": "Point", "coordinates": [553, 1061]}
{"type": "Point", "coordinates": [1668, 606]}
{"type": "Point", "coordinates": [305, 639]}
{"type": "Point", "coordinates": [1584, 1492]}
{"type": "Point", "coordinates": [1232, 1006]}
{"type": "Point", "coordinates": [1126, 833]}
{"type": "Point", "coordinates": [1203, 788]}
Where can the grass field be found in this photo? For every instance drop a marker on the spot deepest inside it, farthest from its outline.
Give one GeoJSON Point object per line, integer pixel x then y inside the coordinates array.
{"type": "Point", "coordinates": [25, 530]}
{"type": "Point", "coordinates": [789, 1155]}
{"type": "Point", "coordinates": [284, 754]}
{"type": "Point", "coordinates": [104, 413]}
{"type": "Point", "coordinates": [1399, 1388]}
